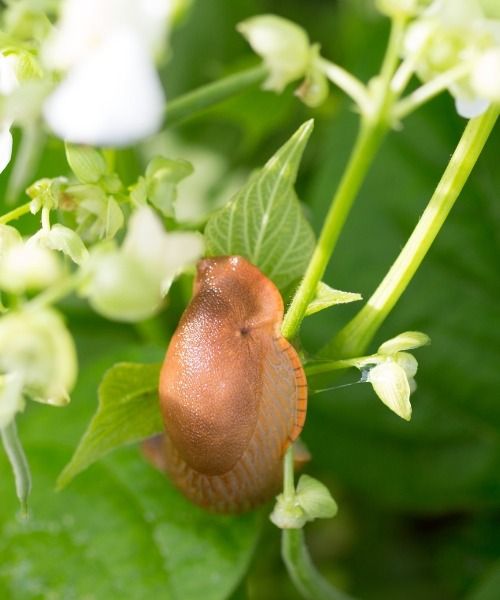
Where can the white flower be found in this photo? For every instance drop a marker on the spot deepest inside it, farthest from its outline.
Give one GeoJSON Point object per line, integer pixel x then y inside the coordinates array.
{"type": "Point", "coordinates": [113, 98]}
{"type": "Point", "coordinates": [8, 83]}
{"type": "Point", "coordinates": [112, 95]}
{"type": "Point", "coordinates": [391, 371]}
{"type": "Point", "coordinates": [283, 45]}
{"type": "Point", "coordinates": [26, 266]}
{"type": "Point", "coordinates": [129, 283]}
{"type": "Point", "coordinates": [464, 36]}
{"type": "Point", "coordinates": [37, 349]}
{"type": "Point", "coordinates": [85, 25]}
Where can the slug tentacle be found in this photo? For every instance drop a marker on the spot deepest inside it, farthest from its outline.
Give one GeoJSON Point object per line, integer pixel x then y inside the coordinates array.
{"type": "Point", "coordinates": [232, 390]}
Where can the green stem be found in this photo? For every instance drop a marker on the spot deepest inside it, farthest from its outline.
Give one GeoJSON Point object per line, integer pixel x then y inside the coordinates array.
{"type": "Point", "coordinates": [374, 125]}
{"type": "Point", "coordinates": [206, 96]}
{"type": "Point", "coordinates": [27, 159]}
{"type": "Point", "coordinates": [288, 475]}
{"type": "Point", "coordinates": [303, 573]}
{"type": "Point", "coordinates": [328, 366]}
{"type": "Point", "coordinates": [429, 90]}
{"type": "Point", "coordinates": [20, 467]}
{"type": "Point", "coordinates": [15, 213]}
{"type": "Point", "coordinates": [56, 292]}
{"type": "Point", "coordinates": [354, 338]}
{"type": "Point", "coordinates": [367, 144]}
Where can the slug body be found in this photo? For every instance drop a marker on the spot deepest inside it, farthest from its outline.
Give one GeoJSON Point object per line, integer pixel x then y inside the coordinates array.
{"type": "Point", "coordinates": [232, 390]}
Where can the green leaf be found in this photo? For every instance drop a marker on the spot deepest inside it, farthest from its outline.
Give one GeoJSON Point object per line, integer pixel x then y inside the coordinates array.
{"type": "Point", "coordinates": [264, 222]}
{"type": "Point", "coordinates": [86, 163]}
{"type": "Point", "coordinates": [121, 531]}
{"type": "Point", "coordinates": [128, 412]}
{"type": "Point", "coordinates": [327, 296]}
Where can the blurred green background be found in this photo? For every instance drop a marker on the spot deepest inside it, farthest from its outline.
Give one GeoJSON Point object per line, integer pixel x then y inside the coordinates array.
{"type": "Point", "coordinates": [419, 503]}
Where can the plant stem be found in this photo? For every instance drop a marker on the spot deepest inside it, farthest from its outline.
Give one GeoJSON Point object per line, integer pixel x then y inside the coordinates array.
{"type": "Point", "coordinates": [27, 159]}
{"type": "Point", "coordinates": [56, 292]}
{"type": "Point", "coordinates": [328, 366]}
{"type": "Point", "coordinates": [429, 90]}
{"type": "Point", "coordinates": [15, 213]}
{"type": "Point", "coordinates": [20, 467]}
{"type": "Point", "coordinates": [302, 571]}
{"type": "Point", "coordinates": [367, 143]}
{"type": "Point", "coordinates": [374, 125]}
{"type": "Point", "coordinates": [206, 96]}
{"type": "Point", "coordinates": [354, 338]}
{"type": "Point", "coordinates": [346, 82]}
{"type": "Point", "coordinates": [288, 475]}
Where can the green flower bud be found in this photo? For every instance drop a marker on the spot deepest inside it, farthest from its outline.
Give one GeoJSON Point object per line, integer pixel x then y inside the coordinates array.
{"type": "Point", "coordinates": [86, 163]}
{"type": "Point", "coordinates": [65, 240]}
{"type": "Point", "coordinates": [311, 501]}
{"type": "Point", "coordinates": [36, 346]}
{"type": "Point", "coordinates": [283, 45]}
{"type": "Point", "coordinates": [315, 88]}
{"type": "Point", "coordinates": [315, 499]}
{"type": "Point", "coordinates": [98, 215]}
{"type": "Point", "coordinates": [46, 193]}
{"type": "Point", "coordinates": [162, 177]}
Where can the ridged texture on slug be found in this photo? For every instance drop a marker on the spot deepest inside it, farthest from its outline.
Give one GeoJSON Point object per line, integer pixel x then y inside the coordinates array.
{"type": "Point", "coordinates": [232, 390]}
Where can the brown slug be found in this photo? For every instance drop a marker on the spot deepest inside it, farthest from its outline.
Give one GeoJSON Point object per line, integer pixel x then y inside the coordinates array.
{"type": "Point", "coordinates": [233, 392]}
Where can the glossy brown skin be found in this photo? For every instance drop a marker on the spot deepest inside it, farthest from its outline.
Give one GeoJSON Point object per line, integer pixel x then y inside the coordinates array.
{"type": "Point", "coordinates": [232, 390]}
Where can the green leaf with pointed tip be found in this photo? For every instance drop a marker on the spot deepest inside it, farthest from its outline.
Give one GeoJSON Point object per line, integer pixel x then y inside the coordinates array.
{"type": "Point", "coordinates": [327, 296]}
{"type": "Point", "coordinates": [264, 222]}
{"type": "Point", "coordinates": [128, 412]}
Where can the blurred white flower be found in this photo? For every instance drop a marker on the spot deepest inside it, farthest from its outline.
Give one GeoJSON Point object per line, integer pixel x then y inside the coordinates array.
{"type": "Point", "coordinates": [8, 83]}
{"type": "Point", "coordinates": [129, 283]}
{"type": "Point", "coordinates": [24, 265]}
{"type": "Point", "coordinates": [461, 37]}
{"type": "Point", "coordinates": [37, 356]}
{"type": "Point", "coordinates": [283, 46]}
{"type": "Point", "coordinates": [112, 95]}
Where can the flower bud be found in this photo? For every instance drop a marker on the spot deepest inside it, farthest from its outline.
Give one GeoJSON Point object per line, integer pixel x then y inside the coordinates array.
{"type": "Point", "coordinates": [283, 45]}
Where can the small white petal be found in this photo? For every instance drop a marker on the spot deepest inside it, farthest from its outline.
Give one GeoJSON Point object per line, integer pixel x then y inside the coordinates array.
{"type": "Point", "coordinates": [112, 98]}
{"type": "Point", "coordinates": [11, 398]}
{"type": "Point", "coordinates": [471, 108]}
{"type": "Point", "coordinates": [145, 240]}
{"type": "Point", "coordinates": [390, 383]}
{"type": "Point", "coordinates": [8, 78]}
{"type": "Point", "coordinates": [407, 362]}
{"type": "Point", "coordinates": [404, 341]}
{"type": "Point", "coordinates": [485, 78]}
{"type": "Point", "coordinates": [5, 147]}
{"type": "Point", "coordinates": [182, 248]}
